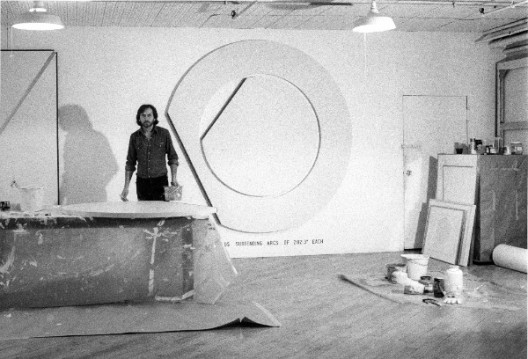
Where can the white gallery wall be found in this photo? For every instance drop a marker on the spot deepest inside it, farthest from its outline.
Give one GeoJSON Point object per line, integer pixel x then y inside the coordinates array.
{"type": "Point", "coordinates": [105, 74]}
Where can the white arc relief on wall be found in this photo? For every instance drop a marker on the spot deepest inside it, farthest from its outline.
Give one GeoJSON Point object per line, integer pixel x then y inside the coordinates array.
{"type": "Point", "coordinates": [266, 133]}
{"type": "Point", "coordinates": [273, 137]}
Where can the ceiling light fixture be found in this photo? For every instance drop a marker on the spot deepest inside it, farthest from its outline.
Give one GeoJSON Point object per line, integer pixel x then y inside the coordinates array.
{"type": "Point", "coordinates": [38, 19]}
{"type": "Point", "coordinates": [374, 22]}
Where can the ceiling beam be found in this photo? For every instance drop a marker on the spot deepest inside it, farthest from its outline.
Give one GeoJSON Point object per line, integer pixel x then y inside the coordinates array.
{"type": "Point", "coordinates": [454, 3]}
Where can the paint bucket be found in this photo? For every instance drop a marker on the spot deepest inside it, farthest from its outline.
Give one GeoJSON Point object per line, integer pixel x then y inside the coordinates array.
{"type": "Point", "coordinates": [416, 265]}
{"type": "Point", "coordinates": [438, 287]}
{"type": "Point", "coordinates": [454, 281]}
{"type": "Point", "coordinates": [427, 281]}
{"type": "Point", "coordinates": [32, 198]}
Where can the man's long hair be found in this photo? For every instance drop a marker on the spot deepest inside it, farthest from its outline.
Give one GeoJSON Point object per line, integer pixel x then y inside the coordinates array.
{"type": "Point", "coordinates": [142, 109]}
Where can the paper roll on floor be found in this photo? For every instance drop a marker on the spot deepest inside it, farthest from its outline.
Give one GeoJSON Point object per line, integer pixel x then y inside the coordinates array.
{"type": "Point", "coordinates": [510, 257]}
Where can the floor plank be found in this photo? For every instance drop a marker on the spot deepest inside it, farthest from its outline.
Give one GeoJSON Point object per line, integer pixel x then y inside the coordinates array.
{"type": "Point", "coordinates": [322, 317]}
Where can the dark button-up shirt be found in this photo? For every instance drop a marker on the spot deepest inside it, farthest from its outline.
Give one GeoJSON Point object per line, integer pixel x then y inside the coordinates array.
{"type": "Point", "coordinates": [149, 154]}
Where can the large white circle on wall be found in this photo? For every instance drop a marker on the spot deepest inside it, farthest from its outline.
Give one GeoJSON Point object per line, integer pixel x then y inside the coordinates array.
{"type": "Point", "coordinates": [228, 112]}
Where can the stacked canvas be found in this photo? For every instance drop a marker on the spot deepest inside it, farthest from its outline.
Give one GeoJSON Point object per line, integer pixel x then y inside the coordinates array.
{"type": "Point", "coordinates": [448, 231]}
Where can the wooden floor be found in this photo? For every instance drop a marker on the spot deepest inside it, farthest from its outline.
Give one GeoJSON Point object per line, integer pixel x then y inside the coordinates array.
{"type": "Point", "coordinates": [322, 317]}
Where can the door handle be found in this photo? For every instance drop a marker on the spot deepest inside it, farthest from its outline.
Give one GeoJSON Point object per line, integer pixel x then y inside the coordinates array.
{"type": "Point", "coordinates": [408, 172]}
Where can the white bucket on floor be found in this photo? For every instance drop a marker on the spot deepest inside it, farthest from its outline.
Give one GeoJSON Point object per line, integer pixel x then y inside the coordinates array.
{"type": "Point", "coordinates": [416, 265]}
{"type": "Point", "coordinates": [32, 198]}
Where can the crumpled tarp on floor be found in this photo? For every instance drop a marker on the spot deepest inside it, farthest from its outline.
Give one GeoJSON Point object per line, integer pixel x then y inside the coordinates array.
{"type": "Point", "coordinates": [122, 318]}
{"type": "Point", "coordinates": [63, 275]}
{"type": "Point", "coordinates": [478, 293]}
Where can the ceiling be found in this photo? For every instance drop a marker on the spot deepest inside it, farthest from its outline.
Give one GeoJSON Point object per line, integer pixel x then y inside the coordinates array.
{"type": "Point", "coordinates": [409, 15]}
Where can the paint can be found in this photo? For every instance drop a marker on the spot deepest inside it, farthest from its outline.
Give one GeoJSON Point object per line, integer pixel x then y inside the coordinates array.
{"type": "Point", "coordinates": [454, 282]}
{"type": "Point", "coordinates": [416, 265]}
{"type": "Point", "coordinates": [497, 144]}
{"type": "Point", "coordinates": [472, 146]}
{"type": "Point", "coordinates": [394, 267]}
{"type": "Point", "coordinates": [427, 281]}
{"type": "Point", "coordinates": [479, 147]}
{"type": "Point", "coordinates": [516, 148]}
{"type": "Point", "coordinates": [438, 287]}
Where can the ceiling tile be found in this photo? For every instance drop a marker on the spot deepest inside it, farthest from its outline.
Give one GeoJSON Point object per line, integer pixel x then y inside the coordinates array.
{"type": "Point", "coordinates": [289, 22]}
{"type": "Point", "coordinates": [328, 23]}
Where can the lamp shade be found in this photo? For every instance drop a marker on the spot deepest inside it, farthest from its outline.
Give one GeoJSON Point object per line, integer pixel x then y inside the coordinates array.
{"type": "Point", "coordinates": [38, 21]}
{"type": "Point", "coordinates": [374, 22]}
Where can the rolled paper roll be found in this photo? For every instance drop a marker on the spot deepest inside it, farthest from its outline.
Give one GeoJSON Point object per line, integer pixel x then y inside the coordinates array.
{"type": "Point", "coordinates": [510, 257]}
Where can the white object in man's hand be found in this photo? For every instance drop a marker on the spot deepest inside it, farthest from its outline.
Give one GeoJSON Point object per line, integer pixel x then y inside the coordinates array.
{"type": "Point", "coordinates": [173, 193]}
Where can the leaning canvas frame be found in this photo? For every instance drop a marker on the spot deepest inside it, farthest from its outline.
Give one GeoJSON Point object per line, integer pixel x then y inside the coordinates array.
{"type": "Point", "coordinates": [29, 120]}
{"type": "Point", "coordinates": [454, 250]}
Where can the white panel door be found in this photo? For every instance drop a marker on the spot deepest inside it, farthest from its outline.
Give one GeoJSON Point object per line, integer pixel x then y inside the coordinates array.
{"type": "Point", "coordinates": [431, 125]}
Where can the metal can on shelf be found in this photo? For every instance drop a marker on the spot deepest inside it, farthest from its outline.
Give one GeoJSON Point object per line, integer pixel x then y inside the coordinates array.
{"type": "Point", "coordinates": [516, 148]}
{"type": "Point", "coordinates": [472, 146]}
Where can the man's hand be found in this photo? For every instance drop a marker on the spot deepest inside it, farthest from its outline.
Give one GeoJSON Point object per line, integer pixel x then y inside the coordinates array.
{"type": "Point", "coordinates": [124, 195]}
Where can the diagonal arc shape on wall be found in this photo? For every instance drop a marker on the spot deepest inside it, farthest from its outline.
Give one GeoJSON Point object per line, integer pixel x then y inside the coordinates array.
{"type": "Point", "coordinates": [29, 133]}
{"type": "Point", "coordinates": [255, 151]}
{"type": "Point", "coordinates": [26, 92]}
{"type": "Point", "coordinates": [290, 123]}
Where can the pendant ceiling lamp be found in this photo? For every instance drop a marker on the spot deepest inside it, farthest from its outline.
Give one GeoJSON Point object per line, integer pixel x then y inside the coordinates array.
{"type": "Point", "coordinates": [38, 18]}
{"type": "Point", "coordinates": [374, 22]}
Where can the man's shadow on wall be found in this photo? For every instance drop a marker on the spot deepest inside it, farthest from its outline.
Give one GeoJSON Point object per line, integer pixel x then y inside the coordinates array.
{"type": "Point", "coordinates": [89, 163]}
